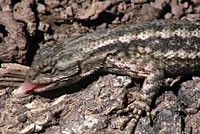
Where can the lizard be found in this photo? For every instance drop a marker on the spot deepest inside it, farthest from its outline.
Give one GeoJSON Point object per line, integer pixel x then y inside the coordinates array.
{"type": "Point", "coordinates": [152, 51]}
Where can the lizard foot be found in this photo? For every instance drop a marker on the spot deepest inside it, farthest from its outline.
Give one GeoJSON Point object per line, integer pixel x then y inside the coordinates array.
{"type": "Point", "coordinates": [134, 111]}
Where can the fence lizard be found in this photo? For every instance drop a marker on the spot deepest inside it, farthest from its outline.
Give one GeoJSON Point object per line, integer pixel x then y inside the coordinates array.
{"type": "Point", "coordinates": [153, 51]}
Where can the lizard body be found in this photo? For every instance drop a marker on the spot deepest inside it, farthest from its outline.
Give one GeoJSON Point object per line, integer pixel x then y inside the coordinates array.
{"type": "Point", "coordinates": [153, 50]}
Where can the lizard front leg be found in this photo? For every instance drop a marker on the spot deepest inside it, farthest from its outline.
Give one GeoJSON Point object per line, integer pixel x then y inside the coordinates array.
{"type": "Point", "coordinates": [154, 78]}
{"type": "Point", "coordinates": [143, 101]}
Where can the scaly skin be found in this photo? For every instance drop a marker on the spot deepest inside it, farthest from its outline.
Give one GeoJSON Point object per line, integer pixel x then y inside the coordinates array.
{"type": "Point", "coordinates": [152, 51]}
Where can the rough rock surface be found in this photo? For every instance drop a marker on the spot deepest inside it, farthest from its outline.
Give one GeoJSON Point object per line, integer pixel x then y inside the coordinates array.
{"type": "Point", "coordinates": [88, 106]}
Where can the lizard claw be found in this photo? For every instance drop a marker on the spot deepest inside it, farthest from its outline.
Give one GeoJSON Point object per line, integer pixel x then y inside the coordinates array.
{"type": "Point", "coordinates": [134, 110]}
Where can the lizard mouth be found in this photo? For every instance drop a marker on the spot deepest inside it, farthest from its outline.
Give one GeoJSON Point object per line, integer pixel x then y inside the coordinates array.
{"type": "Point", "coordinates": [27, 87]}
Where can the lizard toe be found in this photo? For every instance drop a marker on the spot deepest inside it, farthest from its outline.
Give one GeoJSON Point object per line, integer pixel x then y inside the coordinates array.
{"type": "Point", "coordinates": [134, 111]}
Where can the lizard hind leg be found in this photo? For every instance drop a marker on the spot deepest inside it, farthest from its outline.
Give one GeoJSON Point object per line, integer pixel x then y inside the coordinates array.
{"type": "Point", "coordinates": [143, 100]}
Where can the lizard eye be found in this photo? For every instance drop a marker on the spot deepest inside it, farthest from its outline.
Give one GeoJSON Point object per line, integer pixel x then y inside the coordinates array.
{"type": "Point", "coordinates": [48, 71]}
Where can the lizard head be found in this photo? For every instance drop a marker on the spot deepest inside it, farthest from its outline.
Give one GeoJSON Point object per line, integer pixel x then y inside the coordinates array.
{"type": "Point", "coordinates": [51, 70]}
